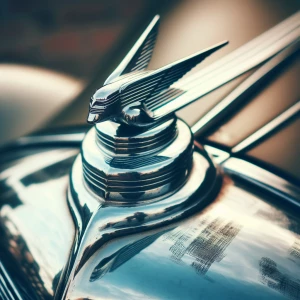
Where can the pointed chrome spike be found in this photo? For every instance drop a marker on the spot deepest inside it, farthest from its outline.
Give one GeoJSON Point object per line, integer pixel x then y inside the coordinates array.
{"type": "Point", "coordinates": [139, 56]}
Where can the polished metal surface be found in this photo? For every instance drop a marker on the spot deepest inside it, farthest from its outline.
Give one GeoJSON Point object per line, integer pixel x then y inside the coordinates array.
{"type": "Point", "coordinates": [238, 247]}
{"type": "Point", "coordinates": [153, 105]}
{"type": "Point", "coordinates": [236, 98]}
{"type": "Point", "coordinates": [132, 156]}
{"type": "Point", "coordinates": [67, 137]}
{"type": "Point", "coordinates": [137, 178]}
{"type": "Point", "coordinates": [266, 130]}
{"type": "Point", "coordinates": [235, 64]}
{"type": "Point", "coordinates": [8, 290]}
{"type": "Point", "coordinates": [238, 62]}
{"type": "Point", "coordinates": [152, 263]}
{"type": "Point", "coordinates": [121, 139]}
{"type": "Point", "coordinates": [136, 166]}
{"type": "Point", "coordinates": [100, 221]}
{"type": "Point", "coordinates": [135, 156]}
{"type": "Point", "coordinates": [264, 179]}
{"type": "Point", "coordinates": [36, 228]}
{"type": "Point", "coordinates": [131, 94]}
{"type": "Point", "coordinates": [136, 171]}
{"type": "Point", "coordinates": [218, 155]}
{"type": "Point", "coordinates": [259, 177]}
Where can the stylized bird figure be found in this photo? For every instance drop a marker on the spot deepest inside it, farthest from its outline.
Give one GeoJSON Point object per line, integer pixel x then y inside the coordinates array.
{"type": "Point", "coordinates": [131, 92]}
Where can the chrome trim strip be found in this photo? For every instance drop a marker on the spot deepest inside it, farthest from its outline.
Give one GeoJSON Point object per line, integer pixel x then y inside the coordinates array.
{"type": "Point", "coordinates": [264, 179]}
{"type": "Point", "coordinates": [45, 140]}
{"type": "Point", "coordinates": [234, 64]}
{"type": "Point", "coordinates": [267, 129]}
{"type": "Point", "coordinates": [7, 287]}
{"type": "Point", "coordinates": [237, 96]}
{"type": "Point", "coordinates": [267, 38]}
{"type": "Point", "coordinates": [58, 138]}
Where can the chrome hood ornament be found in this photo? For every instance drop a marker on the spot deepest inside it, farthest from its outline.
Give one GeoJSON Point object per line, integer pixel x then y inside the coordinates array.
{"type": "Point", "coordinates": [129, 179]}
{"type": "Point", "coordinates": [137, 168]}
{"type": "Point", "coordinates": [131, 93]}
{"type": "Point", "coordinates": [134, 154]}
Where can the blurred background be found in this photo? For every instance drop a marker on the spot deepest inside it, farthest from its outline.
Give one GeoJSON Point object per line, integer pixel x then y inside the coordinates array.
{"type": "Point", "coordinates": [55, 54]}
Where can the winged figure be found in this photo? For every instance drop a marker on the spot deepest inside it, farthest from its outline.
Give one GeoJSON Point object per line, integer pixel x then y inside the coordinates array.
{"type": "Point", "coordinates": [131, 92]}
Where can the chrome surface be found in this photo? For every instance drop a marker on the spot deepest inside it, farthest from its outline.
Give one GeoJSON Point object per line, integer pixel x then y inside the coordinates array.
{"type": "Point", "coordinates": [129, 190]}
{"type": "Point", "coordinates": [266, 130]}
{"type": "Point", "coordinates": [136, 172]}
{"type": "Point", "coordinates": [238, 247]}
{"type": "Point", "coordinates": [152, 263]}
{"type": "Point", "coordinates": [256, 175]}
{"type": "Point", "coordinates": [236, 63]}
{"type": "Point", "coordinates": [8, 290]}
{"type": "Point", "coordinates": [132, 155]}
{"type": "Point", "coordinates": [68, 136]}
{"type": "Point", "coordinates": [140, 54]}
{"type": "Point", "coordinates": [237, 97]}
{"type": "Point", "coordinates": [131, 94]}
{"type": "Point", "coordinates": [101, 221]}
{"type": "Point", "coordinates": [36, 228]}
{"type": "Point", "coordinates": [136, 166]}
{"type": "Point", "coordinates": [263, 178]}
{"type": "Point", "coordinates": [255, 52]}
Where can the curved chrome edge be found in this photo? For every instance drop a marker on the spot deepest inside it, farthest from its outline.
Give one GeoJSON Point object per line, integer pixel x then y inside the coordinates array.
{"type": "Point", "coordinates": [8, 289]}
{"type": "Point", "coordinates": [259, 50]}
{"type": "Point", "coordinates": [259, 176]}
{"type": "Point", "coordinates": [24, 182]}
{"type": "Point", "coordinates": [101, 222]}
{"type": "Point", "coordinates": [263, 178]}
{"type": "Point", "coordinates": [64, 137]}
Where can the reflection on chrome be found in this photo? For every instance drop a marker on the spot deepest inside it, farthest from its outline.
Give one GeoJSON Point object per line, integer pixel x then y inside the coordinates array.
{"type": "Point", "coordinates": [132, 93]}
{"type": "Point", "coordinates": [263, 178]}
{"type": "Point", "coordinates": [275, 279]}
{"type": "Point", "coordinates": [236, 98]}
{"type": "Point", "coordinates": [223, 244]}
{"type": "Point", "coordinates": [33, 192]}
{"type": "Point", "coordinates": [136, 170]}
{"type": "Point", "coordinates": [145, 211]}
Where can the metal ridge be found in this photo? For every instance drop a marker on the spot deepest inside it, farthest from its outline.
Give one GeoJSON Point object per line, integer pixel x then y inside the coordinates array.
{"type": "Point", "coordinates": [238, 62]}
{"type": "Point", "coordinates": [260, 177]}
{"type": "Point", "coordinates": [267, 129]}
{"type": "Point", "coordinates": [99, 224]}
{"type": "Point", "coordinates": [236, 97]}
{"type": "Point", "coordinates": [138, 174]}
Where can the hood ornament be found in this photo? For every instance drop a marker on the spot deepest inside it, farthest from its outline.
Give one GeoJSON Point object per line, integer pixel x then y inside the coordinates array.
{"type": "Point", "coordinates": [138, 150]}
{"type": "Point", "coordinates": [133, 153]}
{"type": "Point", "coordinates": [131, 94]}
{"type": "Point", "coordinates": [137, 169]}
